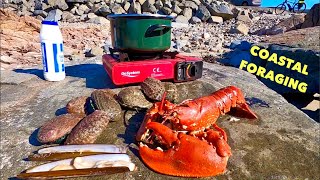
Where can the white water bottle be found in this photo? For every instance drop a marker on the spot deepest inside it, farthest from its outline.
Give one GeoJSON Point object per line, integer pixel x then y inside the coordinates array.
{"type": "Point", "coordinates": [52, 51]}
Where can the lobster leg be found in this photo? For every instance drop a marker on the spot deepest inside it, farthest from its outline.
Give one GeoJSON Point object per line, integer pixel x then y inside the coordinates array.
{"type": "Point", "coordinates": [218, 138]}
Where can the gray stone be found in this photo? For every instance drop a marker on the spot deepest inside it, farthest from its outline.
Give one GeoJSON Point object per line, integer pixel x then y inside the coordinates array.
{"type": "Point", "coordinates": [181, 19]}
{"type": "Point", "coordinates": [135, 8]}
{"type": "Point", "coordinates": [66, 16]}
{"type": "Point", "coordinates": [95, 51]}
{"type": "Point", "coordinates": [74, 9]}
{"type": "Point", "coordinates": [158, 4]}
{"type": "Point", "coordinates": [305, 57]}
{"type": "Point", "coordinates": [84, 8]}
{"type": "Point", "coordinates": [54, 15]}
{"type": "Point", "coordinates": [91, 15]}
{"type": "Point", "coordinates": [99, 20]}
{"type": "Point", "coordinates": [191, 4]}
{"type": "Point", "coordinates": [104, 11]}
{"type": "Point", "coordinates": [215, 19]}
{"type": "Point", "coordinates": [61, 4]}
{"type": "Point", "coordinates": [78, 11]}
{"type": "Point", "coordinates": [220, 10]}
{"type": "Point", "coordinates": [203, 13]}
{"type": "Point", "coordinates": [42, 13]}
{"type": "Point", "coordinates": [166, 10]}
{"type": "Point", "coordinates": [244, 18]}
{"type": "Point", "coordinates": [117, 9]}
{"type": "Point", "coordinates": [76, 1]}
{"type": "Point", "coordinates": [126, 6]}
{"type": "Point", "coordinates": [198, 2]}
{"type": "Point", "coordinates": [176, 9]}
{"type": "Point", "coordinates": [174, 15]}
{"type": "Point", "coordinates": [195, 20]}
{"type": "Point", "coordinates": [187, 12]}
{"type": "Point", "coordinates": [38, 5]}
{"type": "Point", "coordinates": [313, 17]}
{"type": "Point", "coordinates": [240, 29]}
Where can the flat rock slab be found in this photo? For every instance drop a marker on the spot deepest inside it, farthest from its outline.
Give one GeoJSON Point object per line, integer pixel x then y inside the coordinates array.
{"type": "Point", "coordinates": [282, 144]}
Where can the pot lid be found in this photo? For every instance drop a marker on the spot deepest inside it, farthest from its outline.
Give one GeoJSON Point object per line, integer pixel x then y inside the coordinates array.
{"type": "Point", "coordinates": [139, 16]}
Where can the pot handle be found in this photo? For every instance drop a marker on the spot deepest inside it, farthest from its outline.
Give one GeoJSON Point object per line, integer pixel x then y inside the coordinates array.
{"type": "Point", "coordinates": [157, 30]}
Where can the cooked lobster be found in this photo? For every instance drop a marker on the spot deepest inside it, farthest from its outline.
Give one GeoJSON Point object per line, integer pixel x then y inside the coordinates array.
{"type": "Point", "coordinates": [183, 139]}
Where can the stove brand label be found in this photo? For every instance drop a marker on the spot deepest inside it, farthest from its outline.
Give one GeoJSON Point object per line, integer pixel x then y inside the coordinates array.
{"type": "Point", "coordinates": [130, 74]}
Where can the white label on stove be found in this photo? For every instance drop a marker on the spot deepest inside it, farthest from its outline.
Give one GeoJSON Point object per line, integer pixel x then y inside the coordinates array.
{"type": "Point", "coordinates": [130, 74]}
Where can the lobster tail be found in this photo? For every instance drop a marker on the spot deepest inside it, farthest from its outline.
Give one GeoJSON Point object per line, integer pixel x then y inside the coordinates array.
{"type": "Point", "coordinates": [232, 97]}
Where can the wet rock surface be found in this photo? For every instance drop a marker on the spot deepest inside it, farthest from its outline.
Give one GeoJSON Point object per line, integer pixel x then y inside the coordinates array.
{"type": "Point", "coordinates": [282, 143]}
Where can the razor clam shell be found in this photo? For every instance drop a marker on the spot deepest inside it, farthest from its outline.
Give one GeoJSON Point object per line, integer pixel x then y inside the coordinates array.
{"type": "Point", "coordinates": [73, 173]}
{"type": "Point", "coordinates": [59, 156]}
{"type": "Point", "coordinates": [103, 148]}
{"type": "Point", "coordinates": [85, 162]}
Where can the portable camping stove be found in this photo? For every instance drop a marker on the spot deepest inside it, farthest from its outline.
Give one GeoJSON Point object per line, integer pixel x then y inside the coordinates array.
{"type": "Point", "coordinates": [128, 69]}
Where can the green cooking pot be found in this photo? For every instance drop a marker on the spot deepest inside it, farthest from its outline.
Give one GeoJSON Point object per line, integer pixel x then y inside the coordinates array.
{"type": "Point", "coordinates": [140, 33]}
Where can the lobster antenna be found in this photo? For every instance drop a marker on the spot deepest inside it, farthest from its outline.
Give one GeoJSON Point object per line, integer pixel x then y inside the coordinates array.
{"type": "Point", "coordinates": [162, 100]}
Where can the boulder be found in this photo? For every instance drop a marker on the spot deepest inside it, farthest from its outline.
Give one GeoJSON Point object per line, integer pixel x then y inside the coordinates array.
{"type": "Point", "coordinates": [313, 17]}
{"type": "Point", "coordinates": [104, 10]}
{"type": "Point", "coordinates": [158, 4]}
{"type": "Point", "coordinates": [66, 16]}
{"type": "Point", "coordinates": [117, 9]}
{"type": "Point", "coordinates": [166, 10]}
{"type": "Point", "coordinates": [190, 4]}
{"type": "Point", "coordinates": [203, 13]}
{"type": "Point", "coordinates": [61, 4]}
{"type": "Point", "coordinates": [187, 12]}
{"type": "Point", "coordinates": [76, 1]}
{"type": "Point", "coordinates": [98, 20]}
{"type": "Point", "coordinates": [195, 20]}
{"type": "Point", "coordinates": [135, 8]}
{"type": "Point", "coordinates": [215, 19]}
{"type": "Point", "coordinates": [54, 15]}
{"type": "Point", "coordinates": [305, 57]}
{"type": "Point", "coordinates": [181, 19]}
{"type": "Point", "coordinates": [126, 6]}
{"type": "Point", "coordinates": [240, 29]}
{"type": "Point", "coordinates": [149, 8]}
{"type": "Point", "coordinates": [84, 8]}
{"type": "Point", "coordinates": [220, 10]}
{"type": "Point", "coordinates": [176, 9]}
{"type": "Point", "coordinates": [244, 18]}
{"type": "Point", "coordinates": [291, 23]}
{"type": "Point", "coordinates": [42, 13]}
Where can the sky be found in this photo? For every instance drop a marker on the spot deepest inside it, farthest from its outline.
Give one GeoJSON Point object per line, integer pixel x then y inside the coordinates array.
{"type": "Point", "coordinates": [274, 3]}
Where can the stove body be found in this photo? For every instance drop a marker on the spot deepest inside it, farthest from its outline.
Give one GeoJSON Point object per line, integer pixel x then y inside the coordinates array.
{"type": "Point", "coordinates": [166, 66]}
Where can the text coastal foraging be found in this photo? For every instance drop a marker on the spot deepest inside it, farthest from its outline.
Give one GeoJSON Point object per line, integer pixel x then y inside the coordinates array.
{"type": "Point", "coordinates": [284, 61]}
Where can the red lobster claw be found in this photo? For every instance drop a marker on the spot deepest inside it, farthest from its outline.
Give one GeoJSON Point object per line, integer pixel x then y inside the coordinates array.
{"type": "Point", "coordinates": [186, 155]}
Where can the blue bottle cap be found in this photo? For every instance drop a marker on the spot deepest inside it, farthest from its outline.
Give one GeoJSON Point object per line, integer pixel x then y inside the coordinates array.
{"type": "Point", "coordinates": [50, 23]}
